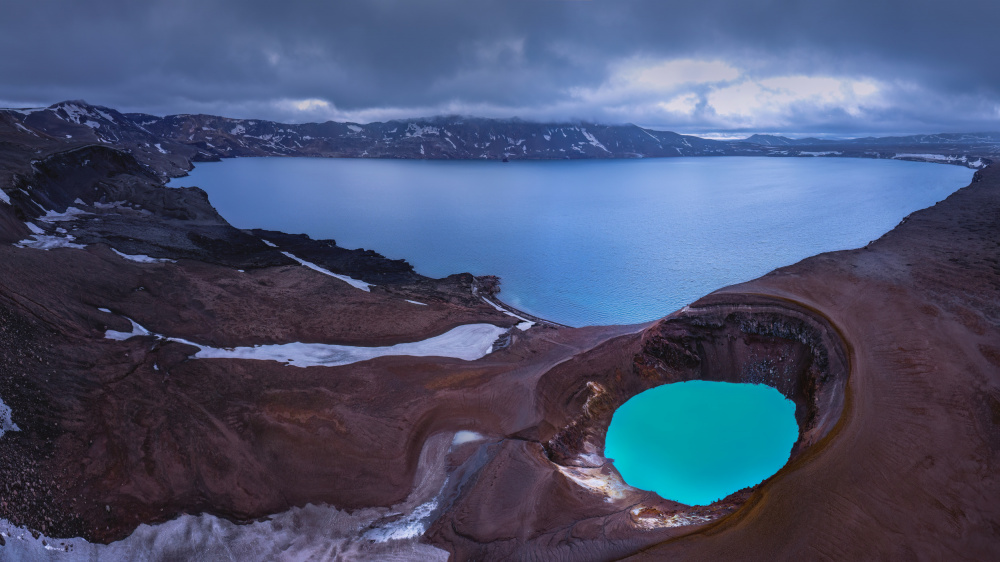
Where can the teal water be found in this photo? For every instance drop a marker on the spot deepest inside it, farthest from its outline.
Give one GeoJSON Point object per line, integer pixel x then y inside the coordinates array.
{"type": "Point", "coordinates": [696, 442]}
{"type": "Point", "coordinates": [584, 242]}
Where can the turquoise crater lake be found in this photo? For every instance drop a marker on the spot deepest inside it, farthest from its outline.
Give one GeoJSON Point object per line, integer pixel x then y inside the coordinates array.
{"type": "Point", "coordinates": [583, 242]}
{"type": "Point", "coordinates": [697, 442]}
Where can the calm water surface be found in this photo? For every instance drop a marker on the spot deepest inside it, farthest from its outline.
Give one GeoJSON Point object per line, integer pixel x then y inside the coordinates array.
{"type": "Point", "coordinates": [583, 242]}
{"type": "Point", "coordinates": [696, 442]}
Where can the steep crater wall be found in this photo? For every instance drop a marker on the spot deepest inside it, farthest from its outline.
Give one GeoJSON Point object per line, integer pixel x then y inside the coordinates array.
{"type": "Point", "coordinates": [728, 338]}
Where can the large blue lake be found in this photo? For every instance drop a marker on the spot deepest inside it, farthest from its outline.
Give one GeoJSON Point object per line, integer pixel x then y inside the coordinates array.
{"type": "Point", "coordinates": [583, 242]}
{"type": "Point", "coordinates": [696, 442]}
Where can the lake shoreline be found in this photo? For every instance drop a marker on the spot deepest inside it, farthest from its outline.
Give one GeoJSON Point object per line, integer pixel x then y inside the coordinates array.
{"type": "Point", "coordinates": [583, 243]}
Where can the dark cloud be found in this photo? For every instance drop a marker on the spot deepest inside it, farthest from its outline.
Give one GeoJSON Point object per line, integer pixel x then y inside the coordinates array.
{"type": "Point", "coordinates": [898, 66]}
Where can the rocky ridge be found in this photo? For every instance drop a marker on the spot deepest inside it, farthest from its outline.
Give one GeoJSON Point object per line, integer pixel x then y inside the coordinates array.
{"type": "Point", "coordinates": [166, 144]}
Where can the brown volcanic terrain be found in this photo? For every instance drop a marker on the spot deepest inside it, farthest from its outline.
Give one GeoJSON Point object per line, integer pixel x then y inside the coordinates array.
{"type": "Point", "coordinates": [891, 354]}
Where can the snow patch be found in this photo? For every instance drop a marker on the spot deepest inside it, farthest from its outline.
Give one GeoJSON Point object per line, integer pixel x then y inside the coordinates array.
{"type": "Point", "coordinates": [75, 113]}
{"type": "Point", "coordinates": [465, 436]}
{"type": "Point", "coordinates": [269, 243]}
{"type": "Point", "coordinates": [414, 130]}
{"type": "Point", "coordinates": [415, 302]}
{"type": "Point", "coordinates": [137, 330]}
{"type": "Point", "coordinates": [4, 197]}
{"type": "Point", "coordinates": [71, 213]}
{"type": "Point", "coordinates": [349, 280]}
{"type": "Point", "coordinates": [160, 148]}
{"type": "Point", "coordinates": [826, 153]}
{"type": "Point", "coordinates": [106, 116]}
{"type": "Point", "coordinates": [468, 342]}
{"type": "Point", "coordinates": [312, 532]}
{"type": "Point", "coordinates": [411, 526]}
{"type": "Point", "coordinates": [142, 258]}
{"type": "Point", "coordinates": [355, 128]}
{"type": "Point", "coordinates": [593, 140]}
{"type": "Point", "coordinates": [46, 242]}
{"type": "Point", "coordinates": [525, 323]}
{"type": "Point", "coordinates": [25, 129]}
{"type": "Point", "coordinates": [112, 205]}
{"type": "Point", "coordinates": [6, 424]}
{"type": "Point", "coordinates": [935, 157]}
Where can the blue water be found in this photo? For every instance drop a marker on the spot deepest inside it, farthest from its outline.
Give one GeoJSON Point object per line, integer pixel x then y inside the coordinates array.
{"type": "Point", "coordinates": [583, 242]}
{"type": "Point", "coordinates": [696, 442]}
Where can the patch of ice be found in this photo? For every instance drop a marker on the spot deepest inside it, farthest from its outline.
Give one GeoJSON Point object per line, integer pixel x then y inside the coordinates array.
{"type": "Point", "coordinates": [6, 424]}
{"type": "Point", "coordinates": [25, 129]}
{"type": "Point", "coordinates": [69, 214]}
{"type": "Point", "coordinates": [465, 436]}
{"type": "Point", "coordinates": [593, 140]}
{"type": "Point", "coordinates": [48, 242]}
{"type": "Point", "coordinates": [76, 113]}
{"type": "Point", "coordinates": [349, 280]}
{"type": "Point", "coordinates": [936, 157]}
{"type": "Point", "coordinates": [524, 321]}
{"type": "Point", "coordinates": [413, 525]}
{"type": "Point", "coordinates": [468, 342]}
{"type": "Point", "coordinates": [112, 205]}
{"type": "Point", "coordinates": [414, 130]}
{"type": "Point", "coordinates": [312, 532]}
{"type": "Point", "coordinates": [137, 330]}
{"type": "Point", "coordinates": [415, 302]}
{"type": "Point", "coordinates": [26, 110]}
{"type": "Point", "coordinates": [105, 115]}
{"type": "Point", "coordinates": [142, 258]}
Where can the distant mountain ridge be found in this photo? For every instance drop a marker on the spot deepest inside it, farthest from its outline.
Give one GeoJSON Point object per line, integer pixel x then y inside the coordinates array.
{"type": "Point", "coordinates": [170, 142]}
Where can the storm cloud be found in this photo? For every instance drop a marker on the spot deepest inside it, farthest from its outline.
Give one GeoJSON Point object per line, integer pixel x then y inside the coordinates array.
{"type": "Point", "coordinates": [847, 67]}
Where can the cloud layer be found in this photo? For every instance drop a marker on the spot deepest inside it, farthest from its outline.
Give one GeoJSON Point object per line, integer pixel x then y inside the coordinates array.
{"type": "Point", "coordinates": [774, 65]}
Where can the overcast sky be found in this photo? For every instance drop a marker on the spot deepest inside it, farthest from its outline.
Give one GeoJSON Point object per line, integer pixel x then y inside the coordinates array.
{"type": "Point", "coordinates": [810, 66]}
